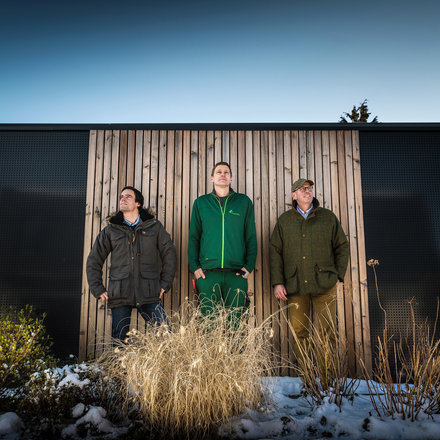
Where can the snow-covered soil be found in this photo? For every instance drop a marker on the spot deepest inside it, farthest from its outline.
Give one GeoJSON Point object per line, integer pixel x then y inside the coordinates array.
{"type": "Point", "coordinates": [291, 416]}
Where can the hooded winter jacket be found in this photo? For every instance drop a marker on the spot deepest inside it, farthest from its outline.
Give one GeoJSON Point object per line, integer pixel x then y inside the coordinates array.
{"type": "Point", "coordinates": [308, 255]}
{"type": "Point", "coordinates": [222, 236]}
{"type": "Point", "coordinates": [134, 277]}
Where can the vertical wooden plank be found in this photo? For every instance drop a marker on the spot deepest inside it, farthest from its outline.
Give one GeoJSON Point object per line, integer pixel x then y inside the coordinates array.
{"type": "Point", "coordinates": [310, 153]}
{"type": "Point", "coordinates": [202, 174]}
{"type": "Point", "coordinates": [122, 160]}
{"type": "Point", "coordinates": [93, 303]}
{"type": "Point", "coordinates": [295, 158]}
{"type": "Point", "coordinates": [88, 221]}
{"type": "Point", "coordinates": [361, 251]}
{"type": "Point", "coordinates": [114, 206]}
{"type": "Point", "coordinates": [130, 157]}
{"type": "Point", "coordinates": [178, 173]}
{"type": "Point", "coordinates": [246, 162]}
{"type": "Point", "coordinates": [335, 208]}
{"type": "Point", "coordinates": [146, 166]}
{"type": "Point", "coordinates": [296, 174]}
{"type": "Point", "coordinates": [348, 308]}
{"type": "Point", "coordinates": [288, 156]}
{"type": "Point", "coordinates": [161, 180]}
{"type": "Point", "coordinates": [241, 162]}
{"type": "Point", "coordinates": [193, 192]}
{"type": "Point", "coordinates": [154, 165]}
{"type": "Point", "coordinates": [139, 149]}
{"type": "Point", "coordinates": [169, 208]}
{"type": "Point", "coordinates": [353, 268]}
{"type": "Point", "coordinates": [319, 192]}
{"type": "Point", "coordinates": [247, 158]}
{"type": "Point", "coordinates": [273, 199]}
{"type": "Point", "coordinates": [302, 143]}
{"type": "Point", "coordinates": [281, 160]}
{"type": "Point", "coordinates": [136, 321]}
{"type": "Point", "coordinates": [285, 204]}
{"type": "Point", "coordinates": [225, 146]}
{"type": "Point", "coordinates": [184, 279]}
{"type": "Point", "coordinates": [105, 211]}
{"type": "Point", "coordinates": [258, 272]}
{"type": "Point", "coordinates": [218, 146]}
{"type": "Point", "coordinates": [265, 225]}
{"type": "Point", "coordinates": [327, 194]}
{"type": "Point", "coordinates": [209, 159]}
{"type": "Point", "coordinates": [233, 158]}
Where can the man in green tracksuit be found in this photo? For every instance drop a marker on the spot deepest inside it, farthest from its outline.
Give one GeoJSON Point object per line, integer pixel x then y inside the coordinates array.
{"type": "Point", "coordinates": [308, 256]}
{"type": "Point", "coordinates": [222, 246]}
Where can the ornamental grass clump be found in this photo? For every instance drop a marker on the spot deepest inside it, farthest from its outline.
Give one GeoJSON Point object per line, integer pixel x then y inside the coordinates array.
{"type": "Point", "coordinates": [188, 378]}
{"type": "Point", "coordinates": [322, 363]}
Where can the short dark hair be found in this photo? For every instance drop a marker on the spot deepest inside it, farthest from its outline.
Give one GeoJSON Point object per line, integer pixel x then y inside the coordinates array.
{"type": "Point", "coordinates": [138, 197]}
{"type": "Point", "coordinates": [221, 163]}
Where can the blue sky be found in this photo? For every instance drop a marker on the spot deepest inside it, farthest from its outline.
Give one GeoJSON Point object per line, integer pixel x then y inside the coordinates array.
{"type": "Point", "coordinates": [230, 61]}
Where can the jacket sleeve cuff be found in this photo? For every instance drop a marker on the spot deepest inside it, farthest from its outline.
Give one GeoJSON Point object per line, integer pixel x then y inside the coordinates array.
{"type": "Point", "coordinates": [98, 292]}
{"type": "Point", "coordinates": [164, 286]}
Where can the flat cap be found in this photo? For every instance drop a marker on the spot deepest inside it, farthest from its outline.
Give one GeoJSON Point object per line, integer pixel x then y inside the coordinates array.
{"type": "Point", "coordinates": [299, 183]}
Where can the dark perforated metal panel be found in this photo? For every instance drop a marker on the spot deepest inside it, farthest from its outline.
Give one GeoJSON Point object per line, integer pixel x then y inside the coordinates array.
{"type": "Point", "coordinates": [401, 194]}
{"type": "Point", "coordinates": [42, 194]}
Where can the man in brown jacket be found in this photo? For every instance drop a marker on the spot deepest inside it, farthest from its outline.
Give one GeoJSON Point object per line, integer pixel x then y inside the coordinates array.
{"type": "Point", "coordinates": [136, 240]}
{"type": "Point", "coordinates": [308, 255]}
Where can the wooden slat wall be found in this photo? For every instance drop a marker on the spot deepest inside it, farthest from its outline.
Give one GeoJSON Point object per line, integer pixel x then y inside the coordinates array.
{"type": "Point", "coordinates": [172, 168]}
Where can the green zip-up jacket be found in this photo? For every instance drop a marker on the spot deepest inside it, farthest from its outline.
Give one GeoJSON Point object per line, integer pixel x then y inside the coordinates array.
{"type": "Point", "coordinates": [308, 255]}
{"type": "Point", "coordinates": [222, 236]}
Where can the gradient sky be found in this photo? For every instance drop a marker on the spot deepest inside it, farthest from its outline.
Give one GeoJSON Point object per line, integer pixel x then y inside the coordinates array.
{"type": "Point", "coordinates": [224, 61]}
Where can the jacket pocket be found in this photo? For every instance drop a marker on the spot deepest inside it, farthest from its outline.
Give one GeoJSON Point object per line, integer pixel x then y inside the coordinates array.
{"type": "Point", "coordinates": [150, 285]}
{"type": "Point", "coordinates": [292, 280]}
{"type": "Point", "coordinates": [326, 276]}
{"type": "Point", "coordinates": [115, 289]}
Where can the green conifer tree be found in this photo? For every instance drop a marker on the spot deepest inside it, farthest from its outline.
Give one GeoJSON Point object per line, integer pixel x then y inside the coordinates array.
{"type": "Point", "coordinates": [358, 114]}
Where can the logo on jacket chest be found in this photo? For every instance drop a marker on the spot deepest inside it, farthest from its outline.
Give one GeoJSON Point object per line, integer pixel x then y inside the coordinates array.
{"type": "Point", "coordinates": [231, 211]}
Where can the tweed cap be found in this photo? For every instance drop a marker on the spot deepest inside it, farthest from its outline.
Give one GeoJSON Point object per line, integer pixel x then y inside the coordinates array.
{"type": "Point", "coordinates": [299, 183]}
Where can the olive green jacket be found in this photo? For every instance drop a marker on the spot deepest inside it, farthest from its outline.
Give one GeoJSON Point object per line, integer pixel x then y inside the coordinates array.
{"type": "Point", "coordinates": [308, 255]}
{"type": "Point", "coordinates": [134, 276]}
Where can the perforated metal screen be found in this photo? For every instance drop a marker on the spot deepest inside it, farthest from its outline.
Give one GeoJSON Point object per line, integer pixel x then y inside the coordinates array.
{"type": "Point", "coordinates": [401, 195]}
{"type": "Point", "coordinates": [42, 195]}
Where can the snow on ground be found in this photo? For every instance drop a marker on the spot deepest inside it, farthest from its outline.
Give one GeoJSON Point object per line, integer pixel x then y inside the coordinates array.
{"type": "Point", "coordinates": [10, 423]}
{"type": "Point", "coordinates": [94, 416]}
{"type": "Point", "coordinates": [291, 416]}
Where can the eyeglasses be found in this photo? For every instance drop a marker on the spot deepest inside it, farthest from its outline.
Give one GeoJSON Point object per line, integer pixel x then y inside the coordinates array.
{"type": "Point", "coordinates": [303, 189]}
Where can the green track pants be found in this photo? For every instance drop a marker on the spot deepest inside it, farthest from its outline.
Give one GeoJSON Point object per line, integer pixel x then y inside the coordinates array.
{"type": "Point", "coordinates": [222, 288]}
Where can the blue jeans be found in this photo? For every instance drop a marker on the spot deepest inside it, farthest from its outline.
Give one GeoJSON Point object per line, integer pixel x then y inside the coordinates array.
{"type": "Point", "coordinates": [152, 313]}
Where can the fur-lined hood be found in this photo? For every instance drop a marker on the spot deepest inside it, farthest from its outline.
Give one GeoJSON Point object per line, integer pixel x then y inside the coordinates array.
{"type": "Point", "coordinates": [117, 218]}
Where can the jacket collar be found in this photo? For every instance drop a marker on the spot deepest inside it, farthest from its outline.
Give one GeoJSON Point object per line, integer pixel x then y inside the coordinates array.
{"type": "Point", "coordinates": [231, 191]}
{"type": "Point", "coordinates": [315, 203]}
{"type": "Point", "coordinates": [118, 217]}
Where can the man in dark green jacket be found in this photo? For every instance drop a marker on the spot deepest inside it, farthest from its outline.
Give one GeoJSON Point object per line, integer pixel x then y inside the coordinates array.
{"type": "Point", "coordinates": [308, 255]}
{"type": "Point", "coordinates": [135, 240]}
{"type": "Point", "coordinates": [222, 246]}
